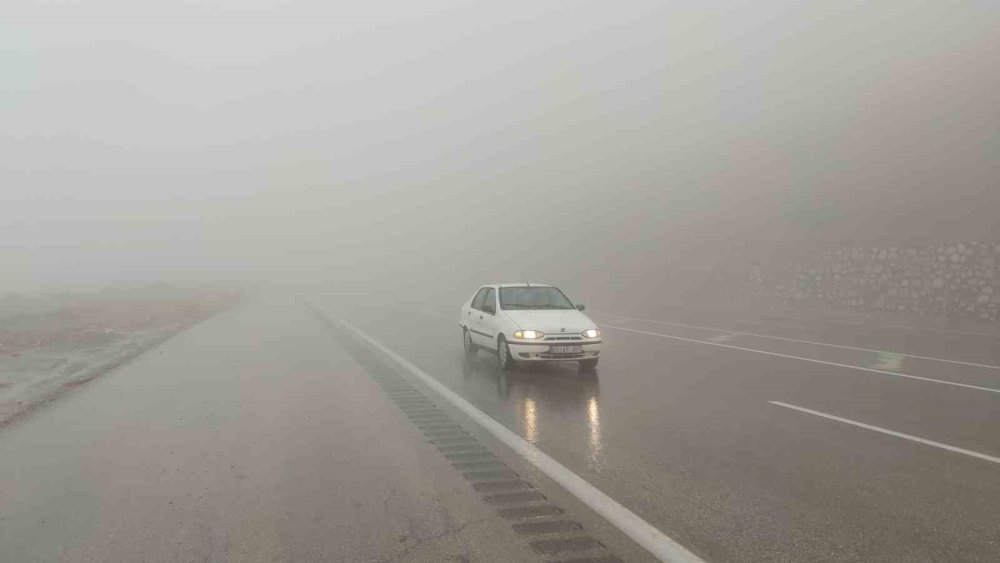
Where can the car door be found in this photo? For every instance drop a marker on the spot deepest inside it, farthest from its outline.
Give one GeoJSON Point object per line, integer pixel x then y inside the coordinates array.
{"type": "Point", "coordinates": [473, 314]}
{"type": "Point", "coordinates": [470, 306]}
{"type": "Point", "coordinates": [488, 319]}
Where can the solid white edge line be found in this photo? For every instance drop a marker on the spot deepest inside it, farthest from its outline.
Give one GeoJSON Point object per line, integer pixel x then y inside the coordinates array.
{"type": "Point", "coordinates": [925, 441]}
{"type": "Point", "coordinates": [946, 331]}
{"type": "Point", "coordinates": [904, 327]}
{"type": "Point", "coordinates": [645, 534]}
{"type": "Point", "coordinates": [813, 342]}
{"type": "Point", "coordinates": [789, 356]}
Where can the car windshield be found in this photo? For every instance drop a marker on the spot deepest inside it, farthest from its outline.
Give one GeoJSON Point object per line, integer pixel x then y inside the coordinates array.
{"type": "Point", "coordinates": [533, 298]}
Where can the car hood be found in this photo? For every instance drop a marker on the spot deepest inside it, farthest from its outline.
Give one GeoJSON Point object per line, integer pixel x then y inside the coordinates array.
{"type": "Point", "coordinates": [551, 321]}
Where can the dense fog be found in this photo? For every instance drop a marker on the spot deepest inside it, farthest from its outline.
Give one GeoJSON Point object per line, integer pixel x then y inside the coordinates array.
{"type": "Point", "coordinates": [432, 146]}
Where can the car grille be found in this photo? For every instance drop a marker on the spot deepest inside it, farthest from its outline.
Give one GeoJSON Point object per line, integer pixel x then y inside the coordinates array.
{"type": "Point", "coordinates": [563, 338]}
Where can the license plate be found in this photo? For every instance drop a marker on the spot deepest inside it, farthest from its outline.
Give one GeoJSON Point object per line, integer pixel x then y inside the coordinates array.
{"type": "Point", "coordinates": [565, 349]}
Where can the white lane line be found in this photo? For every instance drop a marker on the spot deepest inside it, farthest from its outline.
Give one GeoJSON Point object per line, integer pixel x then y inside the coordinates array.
{"type": "Point", "coordinates": [645, 534]}
{"type": "Point", "coordinates": [889, 432]}
{"type": "Point", "coordinates": [813, 342]}
{"type": "Point", "coordinates": [789, 356]}
{"type": "Point", "coordinates": [913, 328]}
{"type": "Point", "coordinates": [947, 331]}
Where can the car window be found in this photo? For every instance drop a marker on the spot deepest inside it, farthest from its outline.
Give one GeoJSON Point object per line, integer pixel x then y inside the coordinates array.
{"type": "Point", "coordinates": [533, 298]}
{"type": "Point", "coordinates": [491, 299]}
{"type": "Point", "coordinates": [477, 301]}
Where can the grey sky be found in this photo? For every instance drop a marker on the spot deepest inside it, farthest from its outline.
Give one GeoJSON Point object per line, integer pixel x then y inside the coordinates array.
{"type": "Point", "coordinates": [236, 138]}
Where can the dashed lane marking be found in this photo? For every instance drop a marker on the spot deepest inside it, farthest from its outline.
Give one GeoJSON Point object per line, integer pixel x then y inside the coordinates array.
{"type": "Point", "coordinates": [874, 428]}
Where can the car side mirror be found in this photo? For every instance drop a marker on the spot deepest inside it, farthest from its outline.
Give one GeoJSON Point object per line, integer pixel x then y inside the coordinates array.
{"type": "Point", "coordinates": [580, 307]}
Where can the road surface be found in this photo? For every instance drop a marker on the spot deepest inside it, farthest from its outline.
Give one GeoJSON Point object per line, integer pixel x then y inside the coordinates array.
{"type": "Point", "coordinates": [267, 433]}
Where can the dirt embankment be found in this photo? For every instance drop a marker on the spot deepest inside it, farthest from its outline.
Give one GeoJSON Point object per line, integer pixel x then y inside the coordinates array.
{"type": "Point", "coordinates": [51, 343]}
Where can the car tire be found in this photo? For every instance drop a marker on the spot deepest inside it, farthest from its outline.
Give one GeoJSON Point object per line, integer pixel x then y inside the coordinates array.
{"type": "Point", "coordinates": [468, 344]}
{"type": "Point", "coordinates": [504, 359]}
{"type": "Point", "coordinates": [588, 365]}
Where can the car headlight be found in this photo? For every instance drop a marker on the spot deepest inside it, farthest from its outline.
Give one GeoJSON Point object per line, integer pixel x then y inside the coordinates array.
{"type": "Point", "coordinates": [528, 334]}
{"type": "Point", "coordinates": [591, 333]}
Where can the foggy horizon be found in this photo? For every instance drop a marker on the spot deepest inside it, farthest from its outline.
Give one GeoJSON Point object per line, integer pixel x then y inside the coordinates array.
{"type": "Point", "coordinates": [263, 280]}
{"type": "Point", "coordinates": [259, 141]}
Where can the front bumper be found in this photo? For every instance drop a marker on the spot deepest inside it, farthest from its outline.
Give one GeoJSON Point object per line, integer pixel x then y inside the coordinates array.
{"type": "Point", "coordinates": [541, 352]}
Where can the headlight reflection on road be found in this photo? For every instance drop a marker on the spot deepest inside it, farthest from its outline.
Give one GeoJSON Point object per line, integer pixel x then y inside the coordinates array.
{"type": "Point", "coordinates": [594, 426]}
{"type": "Point", "coordinates": [529, 416]}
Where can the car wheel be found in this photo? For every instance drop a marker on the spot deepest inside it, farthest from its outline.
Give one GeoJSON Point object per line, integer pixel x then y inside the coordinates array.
{"type": "Point", "coordinates": [503, 355]}
{"type": "Point", "coordinates": [588, 365]}
{"type": "Point", "coordinates": [467, 343]}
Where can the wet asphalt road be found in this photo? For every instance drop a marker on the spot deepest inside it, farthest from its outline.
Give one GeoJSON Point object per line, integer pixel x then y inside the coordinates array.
{"type": "Point", "coordinates": [254, 436]}
{"type": "Point", "coordinates": [684, 433]}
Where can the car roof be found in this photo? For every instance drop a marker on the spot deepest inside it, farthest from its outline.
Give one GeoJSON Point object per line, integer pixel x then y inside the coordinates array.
{"type": "Point", "coordinates": [521, 284]}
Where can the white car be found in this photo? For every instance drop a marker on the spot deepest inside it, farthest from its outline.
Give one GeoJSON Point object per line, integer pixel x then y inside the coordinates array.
{"type": "Point", "coordinates": [529, 322]}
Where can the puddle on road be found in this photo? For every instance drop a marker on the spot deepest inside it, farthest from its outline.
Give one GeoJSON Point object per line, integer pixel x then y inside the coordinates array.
{"type": "Point", "coordinates": [888, 361]}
